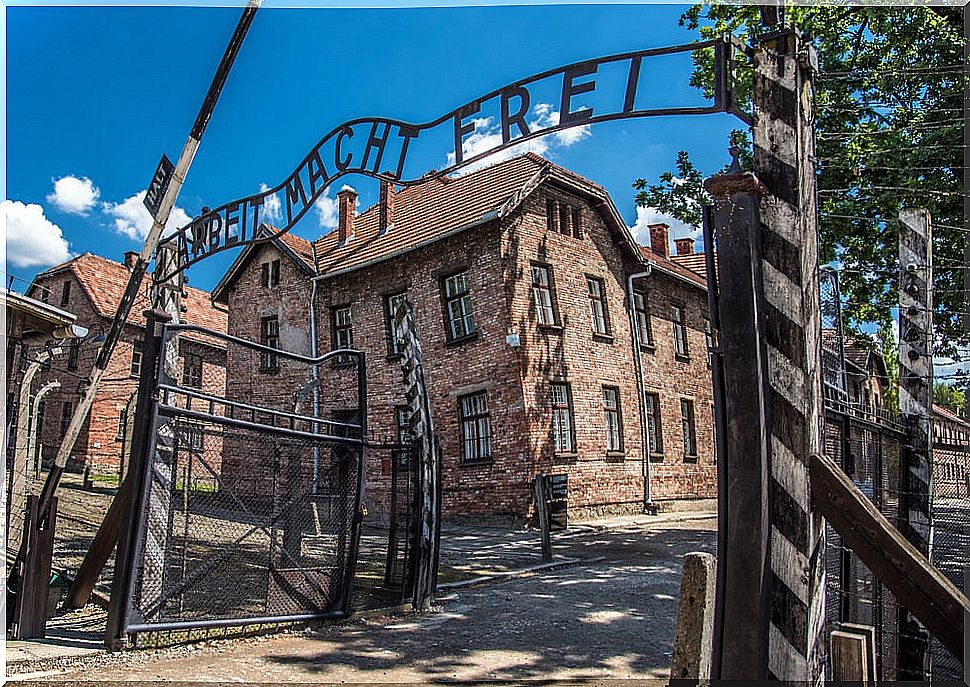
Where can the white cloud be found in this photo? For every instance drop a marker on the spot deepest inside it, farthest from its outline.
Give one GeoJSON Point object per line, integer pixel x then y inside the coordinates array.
{"type": "Point", "coordinates": [272, 211]}
{"type": "Point", "coordinates": [132, 219]}
{"type": "Point", "coordinates": [74, 195]}
{"type": "Point", "coordinates": [32, 239]}
{"type": "Point", "coordinates": [488, 135]}
{"type": "Point", "coordinates": [647, 216]}
{"type": "Point", "coordinates": [328, 212]}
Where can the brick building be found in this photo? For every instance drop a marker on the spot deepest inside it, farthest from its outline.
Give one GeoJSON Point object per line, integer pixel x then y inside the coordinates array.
{"type": "Point", "coordinates": [519, 274]}
{"type": "Point", "coordinates": [90, 287]}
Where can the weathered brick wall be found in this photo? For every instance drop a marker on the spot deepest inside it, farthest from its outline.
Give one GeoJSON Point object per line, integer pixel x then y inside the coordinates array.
{"type": "Point", "coordinates": [452, 369]}
{"type": "Point", "coordinates": [574, 355]}
{"type": "Point", "coordinates": [498, 261]}
{"type": "Point", "coordinates": [100, 444]}
{"type": "Point", "coordinates": [245, 469]}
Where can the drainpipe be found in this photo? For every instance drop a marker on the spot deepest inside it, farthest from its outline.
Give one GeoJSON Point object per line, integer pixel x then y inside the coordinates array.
{"type": "Point", "coordinates": [316, 378]}
{"type": "Point", "coordinates": [644, 437]}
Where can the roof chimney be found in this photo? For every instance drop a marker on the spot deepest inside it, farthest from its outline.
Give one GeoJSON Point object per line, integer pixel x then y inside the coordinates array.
{"type": "Point", "coordinates": [685, 246]}
{"type": "Point", "coordinates": [131, 257]}
{"type": "Point", "coordinates": [346, 210]}
{"type": "Point", "coordinates": [386, 206]}
{"type": "Point", "coordinates": [658, 239]}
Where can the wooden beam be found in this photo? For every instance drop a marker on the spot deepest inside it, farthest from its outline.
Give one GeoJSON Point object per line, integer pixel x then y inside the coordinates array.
{"type": "Point", "coordinates": [932, 598]}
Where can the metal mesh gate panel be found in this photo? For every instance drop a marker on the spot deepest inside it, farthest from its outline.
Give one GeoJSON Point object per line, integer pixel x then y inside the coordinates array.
{"type": "Point", "coordinates": [250, 510]}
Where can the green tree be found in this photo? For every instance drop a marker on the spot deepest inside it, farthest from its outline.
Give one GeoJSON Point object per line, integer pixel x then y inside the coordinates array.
{"type": "Point", "coordinates": [949, 397]}
{"type": "Point", "coordinates": [889, 136]}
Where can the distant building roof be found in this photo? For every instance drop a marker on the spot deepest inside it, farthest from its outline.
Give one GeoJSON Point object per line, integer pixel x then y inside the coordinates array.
{"type": "Point", "coordinates": [104, 282]}
{"type": "Point", "coordinates": [41, 318]}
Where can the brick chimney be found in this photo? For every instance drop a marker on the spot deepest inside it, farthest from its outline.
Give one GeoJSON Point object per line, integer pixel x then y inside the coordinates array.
{"type": "Point", "coordinates": [684, 246]}
{"type": "Point", "coordinates": [346, 210]}
{"type": "Point", "coordinates": [386, 206]}
{"type": "Point", "coordinates": [658, 239]}
{"type": "Point", "coordinates": [131, 257]}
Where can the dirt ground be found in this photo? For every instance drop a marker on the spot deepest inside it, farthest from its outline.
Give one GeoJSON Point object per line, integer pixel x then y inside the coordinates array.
{"type": "Point", "coordinates": [609, 617]}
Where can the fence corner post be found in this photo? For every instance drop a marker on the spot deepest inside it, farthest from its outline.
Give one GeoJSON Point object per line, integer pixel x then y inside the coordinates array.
{"type": "Point", "coordinates": [693, 642]}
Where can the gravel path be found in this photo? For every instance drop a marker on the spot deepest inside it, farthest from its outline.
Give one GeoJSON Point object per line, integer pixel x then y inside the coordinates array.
{"type": "Point", "coordinates": [608, 619]}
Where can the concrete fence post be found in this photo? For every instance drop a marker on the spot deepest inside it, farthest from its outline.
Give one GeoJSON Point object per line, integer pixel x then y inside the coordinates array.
{"type": "Point", "coordinates": [693, 642]}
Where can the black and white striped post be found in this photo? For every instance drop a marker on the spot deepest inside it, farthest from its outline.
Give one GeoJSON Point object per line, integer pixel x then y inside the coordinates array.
{"type": "Point", "coordinates": [915, 404]}
{"type": "Point", "coordinates": [784, 152]}
{"type": "Point", "coordinates": [769, 623]}
{"type": "Point", "coordinates": [425, 450]}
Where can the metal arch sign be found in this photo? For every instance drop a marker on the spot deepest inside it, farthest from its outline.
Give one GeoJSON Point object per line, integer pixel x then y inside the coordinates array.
{"type": "Point", "coordinates": [379, 147]}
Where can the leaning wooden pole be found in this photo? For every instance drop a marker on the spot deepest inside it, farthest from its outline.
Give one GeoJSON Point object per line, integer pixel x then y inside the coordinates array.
{"type": "Point", "coordinates": [915, 405]}
{"type": "Point", "coordinates": [169, 183]}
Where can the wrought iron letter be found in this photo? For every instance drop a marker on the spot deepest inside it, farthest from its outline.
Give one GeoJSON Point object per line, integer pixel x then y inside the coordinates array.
{"type": "Point", "coordinates": [569, 89]}
{"type": "Point", "coordinates": [508, 119]}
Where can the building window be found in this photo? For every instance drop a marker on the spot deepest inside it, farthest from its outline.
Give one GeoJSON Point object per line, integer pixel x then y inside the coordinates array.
{"type": "Point", "coordinates": [269, 336]}
{"type": "Point", "coordinates": [41, 411]}
{"type": "Point", "coordinates": [551, 215]}
{"type": "Point", "coordinates": [476, 427]}
{"type": "Point", "coordinates": [642, 313]}
{"type": "Point", "coordinates": [193, 436]}
{"type": "Point", "coordinates": [343, 332]}
{"type": "Point", "coordinates": [562, 419]}
{"type": "Point", "coordinates": [136, 358]}
{"type": "Point", "coordinates": [687, 420]}
{"type": "Point", "coordinates": [542, 295]}
{"type": "Point", "coordinates": [72, 354]}
{"type": "Point", "coordinates": [563, 218]}
{"type": "Point", "coordinates": [122, 424]}
{"type": "Point", "coordinates": [45, 293]}
{"type": "Point", "coordinates": [66, 412]}
{"type": "Point", "coordinates": [680, 331]}
{"type": "Point", "coordinates": [458, 307]}
{"type": "Point", "coordinates": [192, 370]}
{"type": "Point", "coordinates": [597, 306]}
{"type": "Point", "coordinates": [654, 432]}
{"type": "Point", "coordinates": [65, 293]}
{"type": "Point", "coordinates": [613, 422]}
{"type": "Point", "coordinates": [270, 275]}
{"type": "Point", "coordinates": [394, 335]}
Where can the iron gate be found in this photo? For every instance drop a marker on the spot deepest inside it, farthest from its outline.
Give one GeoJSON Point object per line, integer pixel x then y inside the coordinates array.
{"type": "Point", "coordinates": [250, 507]}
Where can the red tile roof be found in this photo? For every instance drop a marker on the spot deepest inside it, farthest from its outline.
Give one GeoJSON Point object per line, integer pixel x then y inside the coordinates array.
{"type": "Point", "coordinates": [428, 211]}
{"type": "Point", "coordinates": [302, 248]}
{"type": "Point", "coordinates": [104, 282]}
{"type": "Point", "coordinates": [696, 262]}
{"type": "Point", "coordinates": [669, 265]}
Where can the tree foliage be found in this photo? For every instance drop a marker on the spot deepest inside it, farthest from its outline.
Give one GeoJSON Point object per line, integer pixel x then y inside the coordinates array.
{"type": "Point", "coordinates": [949, 397]}
{"type": "Point", "coordinates": [889, 128]}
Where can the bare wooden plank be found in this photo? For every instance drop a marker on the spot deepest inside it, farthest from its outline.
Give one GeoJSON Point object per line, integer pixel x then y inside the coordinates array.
{"type": "Point", "coordinates": [899, 565]}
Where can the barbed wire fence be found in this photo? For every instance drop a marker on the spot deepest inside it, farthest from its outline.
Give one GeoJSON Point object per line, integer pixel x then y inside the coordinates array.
{"type": "Point", "coordinates": [906, 155]}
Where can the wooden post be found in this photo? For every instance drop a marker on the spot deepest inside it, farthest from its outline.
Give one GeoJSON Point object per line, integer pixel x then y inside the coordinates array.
{"type": "Point", "coordinates": [774, 597]}
{"type": "Point", "coordinates": [741, 632]}
{"type": "Point", "coordinates": [695, 620]}
{"type": "Point", "coordinates": [784, 153]}
{"type": "Point", "coordinates": [915, 404]}
{"type": "Point", "coordinates": [122, 581]}
{"type": "Point", "coordinates": [542, 510]}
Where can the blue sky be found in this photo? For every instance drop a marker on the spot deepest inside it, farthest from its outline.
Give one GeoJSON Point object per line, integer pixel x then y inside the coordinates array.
{"type": "Point", "coordinates": [95, 95]}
